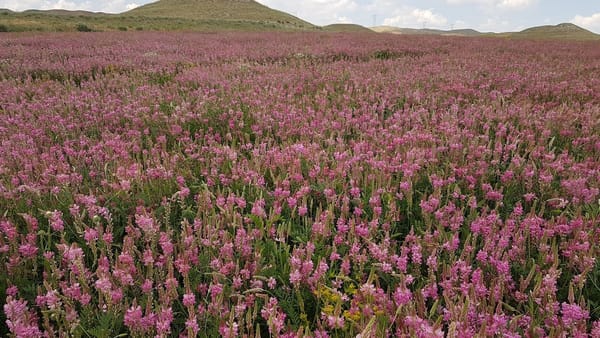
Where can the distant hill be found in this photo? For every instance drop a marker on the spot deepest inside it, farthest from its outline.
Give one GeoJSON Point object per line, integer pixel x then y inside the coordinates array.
{"type": "Point", "coordinates": [225, 10]}
{"type": "Point", "coordinates": [561, 31]}
{"type": "Point", "coordinates": [426, 31]}
{"type": "Point", "coordinates": [62, 12]}
{"type": "Point", "coordinates": [346, 28]}
{"type": "Point", "coordinates": [464, 32]}
{"type": "Point", "coordinates": [191, 15]}
{"type": "Point", "coordinates": [564, 31]}
{"type": "Point", "coordinates": [233, 15]}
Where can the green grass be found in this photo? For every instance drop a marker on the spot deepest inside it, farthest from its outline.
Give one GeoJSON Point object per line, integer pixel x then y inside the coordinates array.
{"type": "Point", "coordinates": [165, 15]}
{"type": "Point", "coordinates": [24, 22]}
{"type": "Point", "coordinates": [225, 10]}
{"type": "Point", "coordinates": [346, 28]}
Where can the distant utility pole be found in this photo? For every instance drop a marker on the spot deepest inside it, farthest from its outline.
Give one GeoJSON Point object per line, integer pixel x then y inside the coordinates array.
{"type": "Point", "coordinates": [374, 20]}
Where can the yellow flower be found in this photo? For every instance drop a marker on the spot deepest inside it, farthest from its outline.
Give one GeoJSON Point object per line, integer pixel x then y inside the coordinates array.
{"type": "Point", "coordinates": [378, 311]}
{"type": "Point", "coordinates": [353, 316]}
{"type": "Point", "coordinates": [335, 298]}
{"type": "Point", "coordinates": [328, 309]}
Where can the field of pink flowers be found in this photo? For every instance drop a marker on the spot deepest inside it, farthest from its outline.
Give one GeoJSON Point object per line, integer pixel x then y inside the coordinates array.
{"type": "Point", "coordinates": [291, 185]}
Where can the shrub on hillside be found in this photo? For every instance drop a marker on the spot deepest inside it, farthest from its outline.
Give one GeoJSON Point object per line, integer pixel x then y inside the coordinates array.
{"type": "Point", "coordinates": [83, 28]}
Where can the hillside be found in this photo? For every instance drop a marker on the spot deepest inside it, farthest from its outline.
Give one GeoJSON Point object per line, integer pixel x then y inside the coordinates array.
{"type": "Point", "coordinates": [233, 15]}
{"type": "Point", "coordinates": [564, 31]}
{"type": "Point", "coordinates": [561, 31]}
{"type": "Point", "coordinates": [222, 10]}
{"type": "Point", "coordinates": [63, 12]}
{"type": "Point", "coordinates": [164, 15]}
{"type": "Point", "coordinates": [346, 28]}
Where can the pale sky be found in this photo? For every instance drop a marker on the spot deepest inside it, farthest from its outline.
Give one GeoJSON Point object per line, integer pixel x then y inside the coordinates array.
{"type": "Point", "coordinates": [483, 15]}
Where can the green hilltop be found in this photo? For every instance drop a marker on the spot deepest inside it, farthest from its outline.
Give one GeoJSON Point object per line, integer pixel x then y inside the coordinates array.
{"type": "Point", "coordinates": [222, 10]}
{"type": "Point", "coordinates": [561, 31]}
{"type": "Point", "coordinates": [191, 15]}
{"type": "Point", "coordinates": [346, 28]}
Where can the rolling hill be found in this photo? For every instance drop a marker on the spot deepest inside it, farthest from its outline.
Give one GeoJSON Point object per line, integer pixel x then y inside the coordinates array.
{"type": "Point", "coordinates": [564, 31]}
{"type": "Point", "coordinates": [190, 15]}
{"type": "Point", "coordinates": [346, 28]}
{"type": "Point", "coordinates": [561, 31]}
{"type": "Point", "coordinates": [221, 10]}
{"type": "Point", "coordinates": [62, 12]}
{"type": "Point", "coordinates": [234, 15]}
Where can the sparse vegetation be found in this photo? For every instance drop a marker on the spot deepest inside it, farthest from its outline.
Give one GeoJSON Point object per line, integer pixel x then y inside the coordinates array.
{"type": "Point", "coordinates": [83, 28]}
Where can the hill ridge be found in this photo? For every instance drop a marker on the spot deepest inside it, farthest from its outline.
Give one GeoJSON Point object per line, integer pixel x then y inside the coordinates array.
{"type": "Point", "coordinates": [245, 10]}
{"type": "Point", "coordinates": [565, 30]}
{"type": "Point", "coordinates": [246, 15]}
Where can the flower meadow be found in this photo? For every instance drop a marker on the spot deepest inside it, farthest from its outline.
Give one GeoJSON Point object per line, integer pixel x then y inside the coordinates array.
{"type": "Point", "coordinates": [293, 185]}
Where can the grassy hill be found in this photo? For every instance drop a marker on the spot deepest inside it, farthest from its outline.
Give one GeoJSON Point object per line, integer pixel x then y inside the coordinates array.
{"type": "Point", "coordinates": [231, 15]}
{"type": "Point", "coordinates": [192, 15]}
{"type": "Point", "coordinates": [220, 10]}
{"type": "Point", "coordinates": [346, 28]}
{"type": "Point", "coordinates": [567, 31]}
{"type": "Point", "coordinates": [564, 31]}
{"type": "Point", "coordinates": [464, 32]}
{"type": "Point", "coordinates": [62, 12]}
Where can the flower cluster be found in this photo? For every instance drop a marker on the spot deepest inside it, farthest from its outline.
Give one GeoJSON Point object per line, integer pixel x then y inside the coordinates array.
{"type": "Point", "coordinates": [240, 184]}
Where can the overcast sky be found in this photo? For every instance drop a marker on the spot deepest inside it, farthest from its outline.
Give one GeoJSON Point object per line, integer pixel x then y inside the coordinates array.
{"type": "Point", "coordinates": [483, 15]}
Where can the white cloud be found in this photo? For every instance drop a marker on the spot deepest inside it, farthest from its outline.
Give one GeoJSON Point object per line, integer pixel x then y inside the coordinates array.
{"type": "Point", "coordinates": [495, 25]}
{"type": "Point", "coordinates": [131, 6]}
{"type": "Point", "coordinates": [501, 4]}
{"type": "Point", "coordinates": [591, 22]}
{"type": "Point", "coordinates": [416, 18]}
{"type": "Point", "coordinates": [515, 4]}
{"type": "Point", "coordinates": [343, 19]}
{"type": "Point", "coordinates": [319, 12]}
{"type": "Point", "coordinates": [460, 24]}
{"type": "Point", "coordinates": [21, 5]}
{"type": "Point", "coordinates": [111, 6]}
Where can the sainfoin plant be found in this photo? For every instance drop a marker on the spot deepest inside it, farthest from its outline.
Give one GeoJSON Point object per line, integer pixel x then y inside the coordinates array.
{"type": "Point", "coordinates": [291, 185]}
